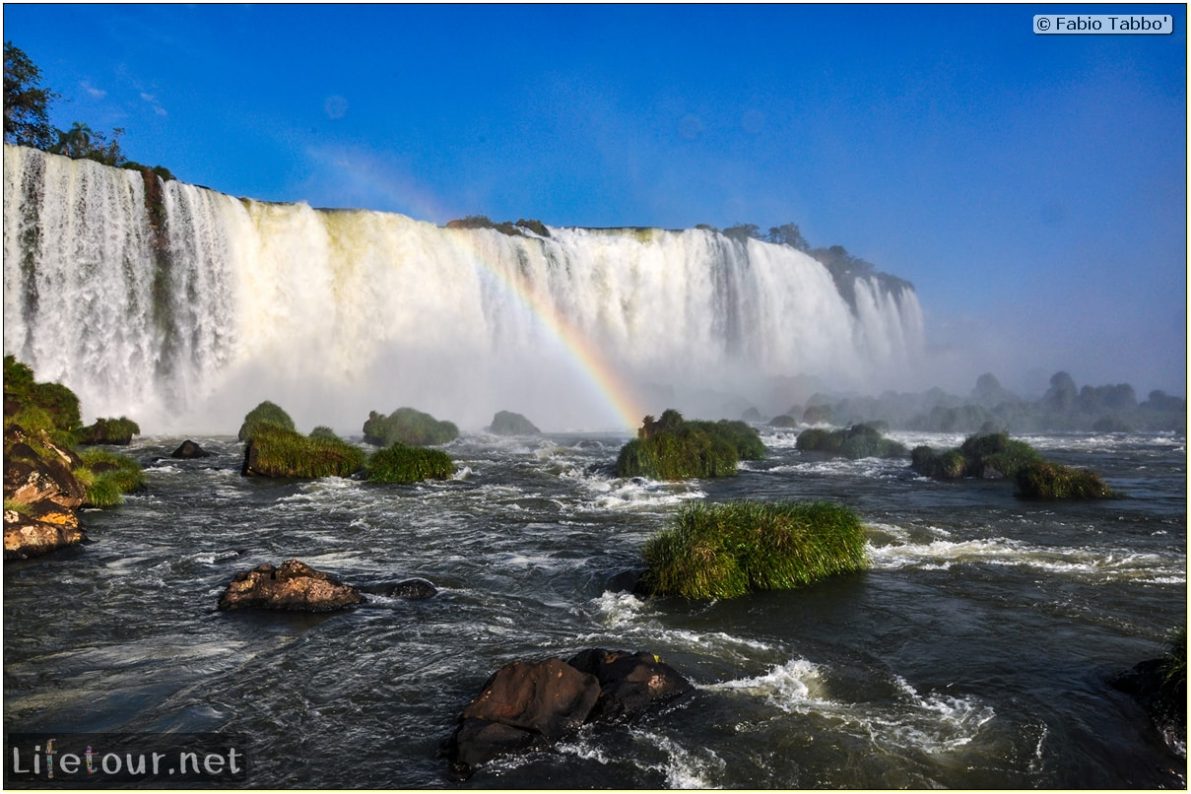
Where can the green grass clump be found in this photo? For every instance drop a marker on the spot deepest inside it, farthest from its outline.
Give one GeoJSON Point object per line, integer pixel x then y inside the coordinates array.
{"type": "Point", "coordinates": [407, 426]}
{"type": "Point", "coordinates": [403, 464]}
{"type": "Point", "coordinates": [673, 449]}
{"type": "Point", "coordinates": [274, 451]}
{"type": "Point", "coordinates": [266, 413]}
{"type": "Point", "coordinates": [1046, 480]}
{"type": "Point", "coordinates": [727, 550]}
{"type": "Point", "coordinates": [1174, 668]}
{"type": "Point", "coordinates": [18, 507]}
{"type": "Point", "coordinates": [857, 441]}
{"type": "Point", "coordinates": [107, 476]}
{"type": "Point", "coordinates": [109, 431]}
{"type": "Point", "coordinates": [743, 438]}
{"type": "Point", "coordinates": [36, 407]}
{"type": "Point", "coordinates": [322, 431]}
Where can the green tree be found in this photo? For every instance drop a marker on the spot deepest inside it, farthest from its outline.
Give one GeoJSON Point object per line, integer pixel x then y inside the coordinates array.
{"type": "Point", "coordinates": [26, 101]}
{"type": "Point", "coordinates": [80, 141]}
{"type": "Point", "coordinates": [788, 234]}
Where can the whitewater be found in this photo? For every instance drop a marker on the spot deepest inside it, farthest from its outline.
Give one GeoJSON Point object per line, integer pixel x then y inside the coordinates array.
{"type": "Point", "coordinates": [183, 307]}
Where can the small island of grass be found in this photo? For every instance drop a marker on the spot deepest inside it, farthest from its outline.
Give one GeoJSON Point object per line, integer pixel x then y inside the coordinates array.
{"type": "Point", "coordinates": [857, 441]}
{"type": "Point", "coordinates": [673, 448]}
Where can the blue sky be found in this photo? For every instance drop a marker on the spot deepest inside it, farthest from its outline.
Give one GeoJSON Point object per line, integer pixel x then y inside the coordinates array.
{"type": "Point", "coordinates": [1032, 187]}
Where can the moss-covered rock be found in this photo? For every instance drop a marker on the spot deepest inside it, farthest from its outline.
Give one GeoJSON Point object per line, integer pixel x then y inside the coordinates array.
{"type": "Point", "coordinates": [322, 431]}
{"type": "Point", "coordinates": [404, 464]}
{"type": "Point", "coordinates": [1046, 480]}
{"type": "Point", "coordinates": [267, 413]}
{"type": "Point", "coordinates": [407, 426]}
{"type": "Point", "coordinates": [109, 431]}
{"type": "Point", "coordinates": [727, 550]}
{"type": "Point", "coordinates": [817, 414]}
{"type": "Point", "coordinates": [992, 456]}
{"type": "Point", "coordinates": [857, 441]}
{"type": "Point", "coordinates": [274, 451]}
{"type": "Point", "coordinates": [672, 448]}
{"type": "Point", "coordinates": [783, 421]}
{"type": "Point", "coordinates": [507, 423]}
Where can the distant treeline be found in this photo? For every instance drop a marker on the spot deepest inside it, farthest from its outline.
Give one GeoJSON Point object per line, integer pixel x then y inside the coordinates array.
{"type": "Point", "coordinates": [989, 407]}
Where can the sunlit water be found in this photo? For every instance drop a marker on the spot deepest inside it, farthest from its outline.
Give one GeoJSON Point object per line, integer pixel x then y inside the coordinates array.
{"type": "Point", "coordinates": [974, 653]}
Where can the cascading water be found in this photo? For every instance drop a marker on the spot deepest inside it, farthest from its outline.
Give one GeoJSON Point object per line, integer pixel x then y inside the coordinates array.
{"type": "Point", "coordinates": [183, 307]}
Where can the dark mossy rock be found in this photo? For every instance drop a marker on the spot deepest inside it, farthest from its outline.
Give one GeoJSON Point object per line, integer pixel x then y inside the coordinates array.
{"type": "Point", "coordinates": [188, 450]}
{"type": "Point", "coordinates": [32, 478]}
{"type": "Point", "coordinates": [267, 414]}
{"type": "Point", "coordinates": [630, 683]}
{"type": "Point", "coordinates": [273, 451]}
{"type": "Point", "coordinates": [629, 582]}
{"type": "Point", "coordinates": [415, 589]}
{"type": "Point", "coordinates": [1045, 480]}
{"type": "Point", "coordinates": [992, 456]}
{"type": "Point", "coordinates": [404, 464]}
{"type": "Point", "coordinates": [407, 426]}
{"type": "Point", "coordinates": [673, 448]}
{"type": "Point", "coordinates": [784, 421]}
{"type": "Point", "coordinates": [109, 431]}
{"type": "Point", "coordinates": [293, 586]}
{"type": "Point", "coordinates": [507, 423]}
{"type": "Point", "coordinates": [817, 414]}
{"type": "Point", "coordinates": [1160, 687]}
{"type": "Point", "coordinates": [857, 441]}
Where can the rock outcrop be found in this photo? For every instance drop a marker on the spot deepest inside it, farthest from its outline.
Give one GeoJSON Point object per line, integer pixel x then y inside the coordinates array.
{"type": "Point", "coordinates": [189, 449]}
{"type": "Point", "coordinates": [293, 586]}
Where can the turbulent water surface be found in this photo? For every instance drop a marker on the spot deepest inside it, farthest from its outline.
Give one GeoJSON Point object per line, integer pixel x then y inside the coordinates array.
{"type": "Point", "coordinates": [974, 653]}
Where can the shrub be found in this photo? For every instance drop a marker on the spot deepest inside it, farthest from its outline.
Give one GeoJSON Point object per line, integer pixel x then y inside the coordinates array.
{"type": "Point", "coordinates": [507, 423]}
{"type": "Point", "coordinates": [673, 449]}
{"type": "Point", "coordinates": [109, 431]}
{"type": "Point", "coordinates": [857, 441]}
{"type": "Point", "coordinates": [1046, 480]}
{"type": "Point", "coordinates": [266, 413]}
{"type": "Point", "coordinates": [322, 431]}
{"type": "Point", "coordinates": [274, 451]}
{"type": "Point", "coordinates": [407, 426]}
{"type": "Point", "coordinates": [991, 456]}
{"type": "Point", "coordinates": [744, 439]}
{"type": "Point", "coordinates": [403, 464]}
{"type": "Point", "coordinates": [107, 476]}
{"type": "Point", "coordinates": [727, 550]}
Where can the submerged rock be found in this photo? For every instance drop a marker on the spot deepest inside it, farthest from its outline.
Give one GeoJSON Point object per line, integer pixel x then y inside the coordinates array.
{"type": "Point", "coordinates": [414, 589]}
{"type": "Point", "coordinates": [1162, 695]}
{"type": "Point", "coordinates": [630, 582]}
{"type": "Point", "coordinates": [530, 705]}
{"type": "Point", "coordinates": [292, 586]}
{"type": "Point", "coordinates": [189, 449]}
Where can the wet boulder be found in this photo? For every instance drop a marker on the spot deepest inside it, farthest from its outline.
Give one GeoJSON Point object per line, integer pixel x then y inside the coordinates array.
{"type": "Point", "coordinates": [523, 705]}
{"type": "Point", "coordinates": [188, 450]}
{"type": "Point", "coordinates": [27, 536]}
{"type": "Point", "coordinates": [414, 589]}
{"type": "Point", "coordinates": [633, 582]}
{"type": "Point", "coordinates": [630, 683]}
{"type": "Point", "coordinates": [293, 586]}
{"type": "Point", "coordinates": [31, 479]}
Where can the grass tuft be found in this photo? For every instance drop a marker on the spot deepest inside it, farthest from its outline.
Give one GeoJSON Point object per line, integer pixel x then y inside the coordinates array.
{"type": "Point", "coordinates": [672, 448]}
{"type": "Point", "coordinates": [277, 452]}
{"type": "Point", "coordinates": [107, 476]}
{"type": "Point", "coordinates": [404, 464]}
{"type": "Point", "coordinates": [729, 549]}
{"type": "Point", "coordinates": [1045, 480]}
{"type": "Point", "coordinates": [857, 441]}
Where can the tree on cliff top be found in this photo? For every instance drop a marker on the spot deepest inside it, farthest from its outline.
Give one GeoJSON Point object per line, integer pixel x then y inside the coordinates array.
{"type": "Point", "coordinates": [26, 102]}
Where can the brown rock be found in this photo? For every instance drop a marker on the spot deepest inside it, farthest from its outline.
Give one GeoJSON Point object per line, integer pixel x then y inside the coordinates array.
{"type": "Point", "coordinates": [292, 586]}
{"type": "Point", "coordinates": [630, 683]}
{"type": "Point", "coordinates": [26, 537]}
{"type": "Point", "coordinates": [34, 481]}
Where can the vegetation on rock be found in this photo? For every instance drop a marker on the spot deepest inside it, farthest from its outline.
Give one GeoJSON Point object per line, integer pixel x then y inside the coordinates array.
{"type": "Point", "coordinates": [727, 550]}
{"type": "Point", "coordinates": [857, 441]}
{"type": "Point", "coordinates": [109, 431]}
{"type": "Point", "coordinates": [274, 451]}
{"type": "Point", "coordinates": [322, 431]}
{"type": "Point", "coordinates": [784, 421]}
{"type": "Point", "coordinates": [107, 476]}
{"type": "Point", "coordinates": [265, 414]}
{"type": "Point", "coordinates": [507, 423]}
{"type": "Point", "coordinates": [672, 448]}
{"type": "Point", "coordinates": [509, 228]}
{"type": "Point", "coordinates": [992, 456]}
{"type": "Point", "coordinates": [404, 464]}
{"type": "Point", "coordinates": [407, 426]}
{"type": "Point", "coordinates": [1045, 480]}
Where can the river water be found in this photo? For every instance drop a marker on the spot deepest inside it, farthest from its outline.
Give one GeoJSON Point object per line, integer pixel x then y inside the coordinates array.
{"type": "Point", "coordinates": [974, 653]}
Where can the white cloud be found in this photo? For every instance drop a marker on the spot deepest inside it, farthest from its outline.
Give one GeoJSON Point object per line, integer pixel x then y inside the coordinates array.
{"type": "Point", "coordinates": [97, 93]}
{"type": "Point", "coordinates": [152, 100]}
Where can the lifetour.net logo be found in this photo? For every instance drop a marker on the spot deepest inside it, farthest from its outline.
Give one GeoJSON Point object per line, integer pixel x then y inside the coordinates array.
{"type": "Point", "coordinates": [46, 760]}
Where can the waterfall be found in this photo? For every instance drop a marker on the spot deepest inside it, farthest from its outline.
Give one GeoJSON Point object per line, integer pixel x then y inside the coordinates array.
{"type": "Point", "coordinates": [182, 308]}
